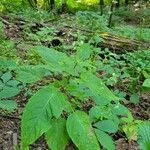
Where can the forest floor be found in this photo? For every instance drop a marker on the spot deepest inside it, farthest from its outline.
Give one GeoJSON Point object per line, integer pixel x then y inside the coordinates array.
{"type": "Point", "coordinates": [64, 32]}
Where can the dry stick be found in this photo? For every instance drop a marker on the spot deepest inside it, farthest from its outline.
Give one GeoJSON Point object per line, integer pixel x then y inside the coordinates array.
{"type": "Point", "coordinates": [8, 23]}
{"type": "Point", "coordinates": [15, 18]}
{"type": "Point", "coordinates": [15, 143]}
{"type": "Point", "coordinates": [4, 21]}
{"type": "Point", "coordinates": [10, 117]}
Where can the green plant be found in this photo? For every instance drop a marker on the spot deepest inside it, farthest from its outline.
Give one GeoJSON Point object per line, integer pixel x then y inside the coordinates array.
{"type": "Point", "coordinates": [2, 35]}
{"type": "Point", "coordinates": [9, 50]}
{"type": "Point", "coordinates": [139, 130]}
{"type": "Point", "coordinates": [8, 88]}
{"type": "Point", "coordinates": [57, 110]}
{"type": "Point", "coordinates": [144, 135]}
{"type": "Point", "coordinates": [146, 83]}
{"type": "Point", "coordinates": [92, 20]}
{"type": "Point", "coordinates": [9, 6]}
{"type": "Point", "coordinates": [8, 105]}
{"type": "Point", "coordinates": [44, 35]}
{"type": "Point", "coordinates": [132, 32]}
{"type": "Point", "coordinates": [131, 129]}
{"type": "Point", "coordinates": [125, 71]}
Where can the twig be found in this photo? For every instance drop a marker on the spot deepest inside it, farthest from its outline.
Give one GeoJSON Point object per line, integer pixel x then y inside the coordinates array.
{"type": "Point", "coordinates": [9, 117]}
{"type": "Point", "coordinates": [4, 21]}
{"type": "Point", "coordinates": [15, 143]}
{"type": "Point", "coordinates": [8, 23]}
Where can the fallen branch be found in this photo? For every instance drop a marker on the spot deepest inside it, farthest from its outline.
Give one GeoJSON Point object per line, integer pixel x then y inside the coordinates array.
{"type": "Point", "coordinates": [117, 43]}
{"type": "Point", "coordinates": [7, 23]}
{"type": "Point", "coordinates": [120, 43]}
{"type": "Point", "coordinates": [9, 117]}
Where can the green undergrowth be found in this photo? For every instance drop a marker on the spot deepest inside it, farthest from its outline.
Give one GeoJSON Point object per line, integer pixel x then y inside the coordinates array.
{"type": "Point", "coordinates": [76, 89]}
{"type": "Point", "coordinates": [138, 33]}
{"type": "Point", "coordinates": [132, 17]}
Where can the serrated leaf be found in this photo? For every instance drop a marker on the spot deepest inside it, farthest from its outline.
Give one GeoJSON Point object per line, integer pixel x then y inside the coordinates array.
{"type": "Point", "coordinates": [30, 74]}
{"type": "Point", "coordinates": [105, 140]}
{"type": "Point", "coordinates": [146, 83]}
{"type": "Point", "coordinates": [8, 104]}
{"type": "Point", "coordinates": [84, 51]}
{"type": "Point", "coordinates": [123, 112]}
{"type": "Point", "coordinates": [90, 85]}
{"type": "Point", "coordinates": [107, 125]}
{"type": "Point", "coordinates": [144, 135]}
{"type": "Point", "coordinates": [103, 112]}
{"type": "Point", "coordinates": [80, 131]}
{"type": "Point", "coordinates": [1, 85]}
{"type": "Point", "coordinates": [6, 77]}
{"type": "Point", "coordinates": [57, 61]}
{"type": "Point", "coordinates": [13, 83]}
{"type": "Point", "coordinates": [5, 63]}
{"type": "Point", "coordinates": [95, 113]}
{"type": "Point", "coordinates": [134, 98]}
{"type": "Point", "coordinates": [57, 136]}
{"type": "Point", "coordinates": [100, 93]}
{"type": "Point", "coordinates": [8, 92]}
{"type": "Point", "coordinates": [146, 74]}
{"type": "Point", "coordinates": [36, 119]}
{"type": "Point", "coordinates": [131, 129]}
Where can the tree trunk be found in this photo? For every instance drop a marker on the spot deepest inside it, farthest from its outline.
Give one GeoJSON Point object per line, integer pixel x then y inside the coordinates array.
{"type": "Point", "coordinates": [126, 3]}
{"type": "Point", "coordinates": [64, 6]}
{"type": "Point", "coordinates": [117, 3]}
{"type": "Point", "coordinates": [52, 4]}
{"type": "Point", "coordinates": [121, 44]}
{"type": "Point", "coordinates": [30, 3]}
{"type": "Point", "coordinates": [101, 3]}
{"type": "Point", "coordinates": [111, 13]}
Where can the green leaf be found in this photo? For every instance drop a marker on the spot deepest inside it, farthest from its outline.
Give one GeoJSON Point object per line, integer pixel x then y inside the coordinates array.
{"type": "Point", "coordinates": [102, 112]}
{"type": "Point", "coordinates": [57, 61]}
{"type": "Point", "coordinates": [123, 112]}
{"type": "Point", "coordinates": [57, 136]}
{"type": "Point", "coordinates": [146, 83]}
{"type": "Point", "coordinates": [146, 74]}
{"type": "Point", "coordinates": [8, 92]}
{"type": "Point", "coordinates": [90, 85]}
{"type": "Point", "coordinates": [131, 129]}
{"type": "Point", "coordinates": [134, 98]}
{"type": "Point", "coordinates": [5, 63]}
{"type": "Point", "coordinates": [144, 135]}
{"type": "Point", "coordinates": [6, 77]}
{"type": "Point", "coordinates": [100, 93]}
{"type": "Point", "coordinates": [8, 104]}
{"type": "Point", "coordinates": [84, 51]}
{"type": "Point", "coordinates": [13, 83]}
{"type": "Point", "coordinates": [95, 113]}
{"type": "Point", "coordinates": [36, 119]}
{"type": "Point", "coordinates": [107, 126]}
{"type": "Point", "coordinates": [80, 131]}
{"type": "Point", "coordinates": [30, 74]}
{"type": "Point", "coordinates": [1, 85]}
{"type": "Point", "coordinates": [105, 140]}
